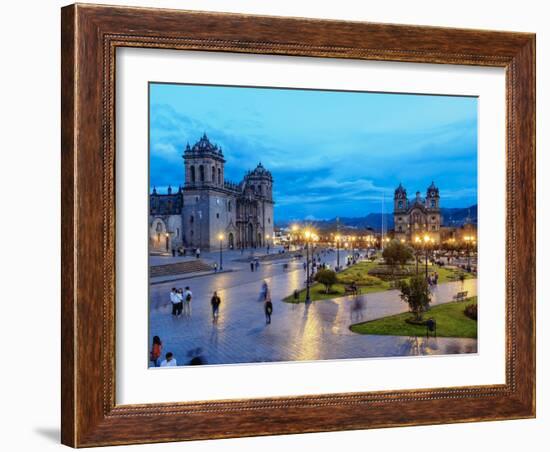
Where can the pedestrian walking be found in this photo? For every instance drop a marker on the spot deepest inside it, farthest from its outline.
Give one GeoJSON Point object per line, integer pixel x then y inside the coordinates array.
{"type": "Point", "coordinates": [268, 309]}
{"type": "Point", "coordinates": [188, 297]}
{"type": "Point", "coordinates": [174, 301]}
{"type": "Point", "coordinates": [198, 253]}
{"type": "Point", "coordinates": [257, 264]}
{"type": "Point", "coordinates": [215, 268]}
{"type": "Point", "coordinates": [251, 266]}
{"type": "Point", "coordinates": [156, 351]}
{"type": "Point", "coordinates": [170, 361]}
{"type": "Point", "coordinates": [264, 292]}
{"type": "Point", "coordinates": [215, 302]}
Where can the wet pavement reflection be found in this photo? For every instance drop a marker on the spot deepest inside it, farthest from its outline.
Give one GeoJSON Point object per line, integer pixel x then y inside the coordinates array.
{"type": "Point", "coordinates": [297, 332]}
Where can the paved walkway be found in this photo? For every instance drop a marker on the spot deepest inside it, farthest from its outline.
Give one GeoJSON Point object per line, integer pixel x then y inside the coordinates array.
{"type": "Point", "coordinates": [297, 332]}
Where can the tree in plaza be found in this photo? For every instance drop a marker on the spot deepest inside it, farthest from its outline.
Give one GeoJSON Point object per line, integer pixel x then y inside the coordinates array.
{"type": "Point", "coordinates": [396, 253]}
{"type": "Point", "coordinates": [327, 278]}
{"type": "Point", "coordinates": [416, 294]}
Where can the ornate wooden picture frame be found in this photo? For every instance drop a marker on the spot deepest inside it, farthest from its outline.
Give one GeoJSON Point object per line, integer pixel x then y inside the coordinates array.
{"type": "Point", "coordinates": [90, 37]}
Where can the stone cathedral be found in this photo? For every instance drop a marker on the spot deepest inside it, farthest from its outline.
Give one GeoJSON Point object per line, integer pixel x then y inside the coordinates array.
{"type": "Point", "coordinates": [208, 207]}
{"type": "Point", "coordinates": [416, 216]}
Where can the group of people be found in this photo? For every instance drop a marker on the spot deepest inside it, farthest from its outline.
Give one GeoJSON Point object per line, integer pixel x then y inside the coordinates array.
{"type": "Point", "coordinates": [265, 297]}
{"type": "Point", "coordinates": [254, 265]}
{"type": "Point", "coordinates": [181, 301]}
{"type": "Point", "coordinates": [156, 355]}
{"type": "Point", "coordinates": [433, 278]}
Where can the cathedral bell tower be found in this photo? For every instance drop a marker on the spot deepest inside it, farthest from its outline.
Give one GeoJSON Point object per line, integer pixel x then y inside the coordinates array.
{"type": "Point", "coordinates": [432, 197]}
{"type": "Point", "coordinates": [204, 165]}
{"type": "Point", "coordinates": [400, 199]}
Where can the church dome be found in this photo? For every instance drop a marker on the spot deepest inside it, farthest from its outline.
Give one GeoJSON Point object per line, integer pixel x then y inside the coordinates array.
{"type": "Point", "coordinates": [260, 171]}
{"type": "Point", "coordinates": [204, 145]}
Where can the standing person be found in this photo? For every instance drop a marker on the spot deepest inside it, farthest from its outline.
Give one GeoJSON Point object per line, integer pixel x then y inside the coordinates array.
{"type": "Point", "coordinates": [174, 301]}
{"type": "Point", "coordinates": [215, 302]}
{"type": "Point", "coordinates": [257, 264]}
{"type": "Point", "coordinates": [179, 302]}
{"type": "Point", "coordinates": [156, 351]}
{"type": "Point", "coordinates": [188, 297]}
{"type": "Point", "coordinates": [268, 309]}
{"type": "Point", "coordinates": [170, 361]}
{"type": "Point", "coordinates": [198, 253]}
{"type": "Point", "coordinates": [251, 266]}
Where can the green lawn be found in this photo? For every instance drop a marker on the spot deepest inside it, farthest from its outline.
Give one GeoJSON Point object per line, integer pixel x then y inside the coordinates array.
{"type": "Point", "coordinates": [450, 318]}
{"type": "Point", "coordinates": [367, 283]}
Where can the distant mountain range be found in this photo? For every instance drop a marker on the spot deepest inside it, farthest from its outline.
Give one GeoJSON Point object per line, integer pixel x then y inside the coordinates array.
{"type": "Point", "coordinates": [456, 217]}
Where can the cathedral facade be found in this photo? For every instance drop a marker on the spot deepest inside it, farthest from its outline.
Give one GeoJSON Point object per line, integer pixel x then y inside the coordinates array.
{"type": "Point", "coordinates": [417, 216]}
{"type": "Point", "coordinates": [208, 208]}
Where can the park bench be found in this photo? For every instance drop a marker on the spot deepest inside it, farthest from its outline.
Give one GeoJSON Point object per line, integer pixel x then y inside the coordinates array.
{"type": "Point", "coordinates": [460, 296]}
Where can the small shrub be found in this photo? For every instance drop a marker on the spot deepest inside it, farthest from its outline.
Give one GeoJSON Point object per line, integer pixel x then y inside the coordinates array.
{"type": "Point", "coordinates": [327, 278]}
{"type": "Point", "coordinates": [471, 311]}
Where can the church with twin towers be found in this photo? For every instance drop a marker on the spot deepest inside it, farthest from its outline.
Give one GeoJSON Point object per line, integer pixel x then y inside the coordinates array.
{"type": "Point", "coordinates": [208, 209]}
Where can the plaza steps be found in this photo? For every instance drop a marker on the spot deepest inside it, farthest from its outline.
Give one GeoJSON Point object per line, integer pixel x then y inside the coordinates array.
{"type": "Point", "coordinates": [179, 268]}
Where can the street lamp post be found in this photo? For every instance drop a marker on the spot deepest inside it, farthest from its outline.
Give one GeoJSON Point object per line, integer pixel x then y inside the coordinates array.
{"type": "Point", "coordinates": [468, 239]}
{"type": "Point", "coordinates": [337, 238]}
{"type": "Point", "coordinates": [426, 242]}
{"type": "Point", "coordinates": [220, 237]}
{"type": "Point", "coordinates": [417, 242]}
{"type": "Point", "coordinates": [294, 230]}
{"type": "Point", "coordinates": [307, 235]}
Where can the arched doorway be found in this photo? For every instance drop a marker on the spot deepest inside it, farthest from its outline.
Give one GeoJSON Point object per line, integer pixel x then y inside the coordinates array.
{"type": "Point", "coordinates": [230, 241]}
{"type": "Point", "coordinates": [259, 242]}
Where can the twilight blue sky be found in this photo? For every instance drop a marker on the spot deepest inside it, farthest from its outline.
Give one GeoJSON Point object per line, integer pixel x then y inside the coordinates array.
{"type": "Point", "coordinates": [332, 153]}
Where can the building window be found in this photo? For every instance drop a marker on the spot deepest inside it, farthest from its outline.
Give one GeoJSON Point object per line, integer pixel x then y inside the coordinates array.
{"type": "Point", "coordinates": [193, 176]}
{"type": "Point", "coordinates": [433, 227]}
{"type": "Point", "coordinates": [191, 219]}
{"type": "Point", "coordinates": [201, 173]}
{"type": "Point", "coordinates": [229, 206]}
{"type": "Point", "coordinates": [432, 203]}
{"type": "Point", "coordinates": [400, 204]}
{"type": "Point", "coordinates": [400, 219]}
{"type": "Point", "coordinates": [219, 176]}
{"type": "Point", "coordinates": [177, 232]}
{"type": "Point", "coordinates": [218, 216]}
{"type": "Point", "coordinates": [433, 218]}
{"type": "Point", "coordinates": [269, 220]}
{"type": "Point", "coordinates": [213, 175]}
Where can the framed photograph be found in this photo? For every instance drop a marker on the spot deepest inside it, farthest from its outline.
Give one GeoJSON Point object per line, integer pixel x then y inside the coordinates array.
{"type": "Point", "coordinates": [281, 225]}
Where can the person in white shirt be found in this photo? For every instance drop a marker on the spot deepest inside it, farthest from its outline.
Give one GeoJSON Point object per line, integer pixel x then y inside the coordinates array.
{"type": "Point", "coordinates": [170, 361]}
{"type": "Point", "coordinates": [188, 297]}
{"type": "Point", "coordinates": [174, 301]}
